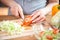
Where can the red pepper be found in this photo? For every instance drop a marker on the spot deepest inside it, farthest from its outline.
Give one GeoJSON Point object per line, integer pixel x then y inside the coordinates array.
{"type": "Point", "coordinates": [27, 21]}
{"type": "Point", "coordinates": [49, 37]}
{"type": "Point", "coordinates": [55, 31]}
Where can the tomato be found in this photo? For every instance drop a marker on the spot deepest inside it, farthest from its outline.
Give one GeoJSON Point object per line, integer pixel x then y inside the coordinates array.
{"type": "Point", "coordinates": [55, 31]}
{"type": "Point", "coordinates": [49, 37]}
{"type": "Point", "coordinates": [27, 21]}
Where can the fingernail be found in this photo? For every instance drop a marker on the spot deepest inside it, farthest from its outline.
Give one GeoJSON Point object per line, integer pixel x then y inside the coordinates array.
{"type": "Point", "coordinates": [22, 17]}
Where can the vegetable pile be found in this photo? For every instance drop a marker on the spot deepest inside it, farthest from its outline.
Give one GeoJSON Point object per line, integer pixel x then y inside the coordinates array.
{"type": "Point", "coordinates": [43, 33]}
{"type": "Point", "coordinates": [10, 27]}
{"type": "Point", "coordinates": [50, 34]}
{"type": "Point", "coordinates": [56, 20]}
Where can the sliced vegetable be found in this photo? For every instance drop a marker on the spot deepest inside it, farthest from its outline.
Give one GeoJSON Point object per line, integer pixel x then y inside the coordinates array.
{"type": "Point", "coordinates": [56, 20]}
{"type": "Point", "coordinates": [55, 31]}
{"type": "Point", "coordinates": [49, 37]}
{"type": "Point", "coordinates": [10, 27]}
{"type": "Point", "coordinates": [27, 21]}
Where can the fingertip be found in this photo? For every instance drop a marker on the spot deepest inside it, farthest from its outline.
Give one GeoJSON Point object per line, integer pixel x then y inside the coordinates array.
{"type": "Point", "coordinates": [23, 17]}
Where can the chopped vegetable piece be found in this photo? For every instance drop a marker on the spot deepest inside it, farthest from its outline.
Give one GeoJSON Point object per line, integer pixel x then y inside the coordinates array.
{"type": "Point", "coordinates": [10, 27]}
{"type": "Point", "coordinates": [49, 37]}
{"type": "Point", "coordinates": [27, 21]}
{"type": "Point", "coordinates": [55, 31]}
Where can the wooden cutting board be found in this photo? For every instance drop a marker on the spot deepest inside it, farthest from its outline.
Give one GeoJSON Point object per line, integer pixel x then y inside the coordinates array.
{"type": "Point", "coordinates": [13, 18]}
{"type": "Point", "coordinates": [27, 35]}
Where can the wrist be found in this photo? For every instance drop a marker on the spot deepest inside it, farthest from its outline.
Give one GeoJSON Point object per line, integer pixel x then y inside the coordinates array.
{"type": "Point", "coordinates": [45, 10]}
{"type": "Point", "coordinates": [12, 5]}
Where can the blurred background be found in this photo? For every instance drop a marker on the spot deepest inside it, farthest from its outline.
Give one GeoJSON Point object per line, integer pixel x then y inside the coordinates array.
{"type": "Point", "coordinates": [4, 10]}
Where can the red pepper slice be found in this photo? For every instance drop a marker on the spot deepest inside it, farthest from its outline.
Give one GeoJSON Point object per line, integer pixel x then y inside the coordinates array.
{"type": "Point", "coordinates": [27, 21]}
{"type": "Point", "coordinates": [55, 31]}
{"type": "Point", "coordinates": [49, 37]}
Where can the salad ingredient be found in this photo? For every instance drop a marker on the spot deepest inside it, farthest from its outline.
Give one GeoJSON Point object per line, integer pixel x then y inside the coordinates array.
{"type": "Point", "coordinates": [55, 31]}
{"type": "Point", "coordinates": [47, 33]}
{"type": "Point", "coordinates": [27, 21]}
{"type": "Point", "coordinates": [10, 27]}
{"type": "Point", "coordinates": [55, 9]}
{"type": "Point", "coordinates": [56, 20]}
{"type": "Point", "coordinates": [49, 37]}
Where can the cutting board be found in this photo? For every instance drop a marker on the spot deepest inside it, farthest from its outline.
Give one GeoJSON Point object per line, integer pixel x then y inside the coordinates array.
{"type": "Point", "coordinates": [13, 18]}
{"type": "Point", "coordinates": [27, 35]}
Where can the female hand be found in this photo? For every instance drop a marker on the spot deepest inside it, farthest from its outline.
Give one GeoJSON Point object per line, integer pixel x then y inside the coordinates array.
{"type": "Point", "coordinates": [17, 11]}
{"type": "Point", "coordinates": [38, 16]}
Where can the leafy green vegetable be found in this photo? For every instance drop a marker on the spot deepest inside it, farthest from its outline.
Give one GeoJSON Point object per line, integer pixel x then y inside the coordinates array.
{"type": "Point", "coordinates": [50, 32]}
{"type": "Point", "coordinates": [56, 20]}
{"type": "Point", "coordinates": [10, 27]}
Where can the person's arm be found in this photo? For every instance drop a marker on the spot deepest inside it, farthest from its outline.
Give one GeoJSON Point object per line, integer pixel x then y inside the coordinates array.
{"type": "Point", "coordinates": [39, 15]}
{"type": "Point", "coordinates": [15, 8]}
{"type": "Point", "coordinates": [9, 3]}
{"type": "Point", "coordinates": [48, 8]}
